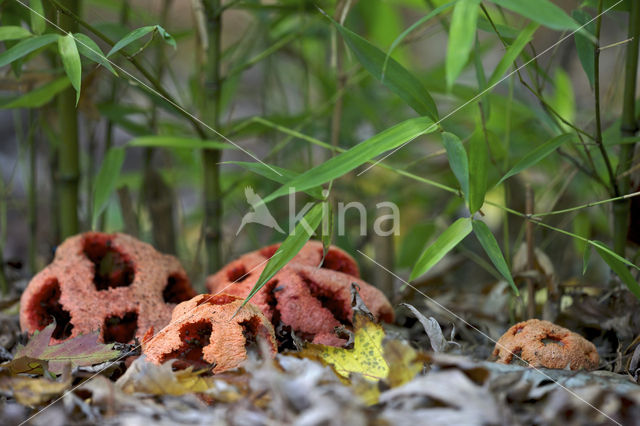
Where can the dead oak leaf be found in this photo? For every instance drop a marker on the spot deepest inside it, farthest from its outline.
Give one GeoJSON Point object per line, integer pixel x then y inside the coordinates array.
{"type": "Point", "coordinates": [81, 351]}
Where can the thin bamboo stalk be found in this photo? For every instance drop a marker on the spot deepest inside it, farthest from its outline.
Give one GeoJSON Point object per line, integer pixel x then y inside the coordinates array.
{"type": "Point", "coordinates": [68, 166]}
{"type": "Point", "coordinates": [212, 224]}
{"type": "Point", "coordinates": [621, 208]}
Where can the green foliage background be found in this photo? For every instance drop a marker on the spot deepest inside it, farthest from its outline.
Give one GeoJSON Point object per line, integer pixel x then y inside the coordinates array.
{"type": "Point", "coordinates": [175, 107]}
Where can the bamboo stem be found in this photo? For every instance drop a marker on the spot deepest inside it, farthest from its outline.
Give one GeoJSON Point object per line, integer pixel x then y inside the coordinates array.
{"type": "Point", "coordinates": [596, 78]}
{"type": "Point", "coordinates": [622, 208]}
{"type": "Point", "coordinates": [212, 224]}
{"type": "Point", "coordinates": [32, 214]}
{"type": "Point", "coordinates": [531, 259]}
{"type": "Point", "coordinates": [68, 166]}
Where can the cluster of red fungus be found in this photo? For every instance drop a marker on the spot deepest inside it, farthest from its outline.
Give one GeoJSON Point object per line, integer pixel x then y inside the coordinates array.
{"type": "Point", "coordinates": [124, 288]}
{"type": "Point", "coordinates": [108, 282]}
{"type": "Point", "coordinates": [545, 344]}
{"type": "Point", "coordinates": [311, 294]}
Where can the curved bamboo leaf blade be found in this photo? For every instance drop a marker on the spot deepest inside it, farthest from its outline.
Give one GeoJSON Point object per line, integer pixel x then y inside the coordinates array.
{"type": "Point", "coordinates": [289, 248]}
{"type": "Point", "coordinates": [25, 47]}
{"type": "Point", "coordinates": [513, 52]}
{"type": "Point", "coordinates": [91, 50]}
{"type": "Point", "coordinates": [269, 171]}
{"type": "Point", "coordinates": [36, 15]}
{"type": "Point", "coordinates": [443, 245]}
{"type": "Point", "coordinates": [543, 12]}
{"type": "Point", "coordinates": [537, 155]}
{"type": "Point", "coordinates": [40, 96]}
{"type": "Point", "coordinates": [106, 181]}
{"type": "Point", "coordinates": [491, 247]}
{"type": "Point", "coordinates": [584, 46]}
{"type": "Point", "coordinates": [601, 247]}
{"type": "Point", "coordinates": [457, 160]}
{"type": "Point", "coordinates": [166, 37]}
{"type": "Point", "coordinates": [396, 77]}
{"type": "Point", "coordinates": [621, 271]}
{"type": "Point", "coordinates": [13, 32]}
{"type": "Point", "coordinates": [71, 62]}
{"type": "Point", "coordinates": [345, 162]}
{"type": "Point", "coordinates": [478, 166]}
{"type": "Point", "coordinates": [178, 142]}
{"type": "Point", "coordinates": [412, 28]}
{"type": "Point", "coordinates": [461, 37]}
{"type": "Point", "coordinates": [134, 35]}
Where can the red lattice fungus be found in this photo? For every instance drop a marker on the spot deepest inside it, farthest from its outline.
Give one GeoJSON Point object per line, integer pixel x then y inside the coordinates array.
{"type": "Point", "coordinates": [545, 344]}
{"type": "Point", "coordinates": [108, 282]}
{"type": "Point", "coordinates": [309, 297]}
{"type": "Point", "coordinates": [204, 331]}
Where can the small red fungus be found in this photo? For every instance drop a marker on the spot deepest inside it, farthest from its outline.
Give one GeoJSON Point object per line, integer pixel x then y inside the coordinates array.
{"type": "Point", "coordinates": [204, 331]}
{"type": "Point", "coordinates": [108, 282]}
{"type": "Point", "coordinates": [545, 344]}
{"type": "Point", "coordinates": [309, 297]}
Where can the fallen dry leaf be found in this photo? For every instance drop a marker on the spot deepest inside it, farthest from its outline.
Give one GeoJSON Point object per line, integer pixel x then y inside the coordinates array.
{"type": "Point", "coordinates": [145, 377]}
{"type": "Point", "coordinates": [404, 362]}
{"type": "Point", "coordinates": [366, 357]}
{"type": "Point", "coordinates": [80, 351]}
{"type": "Point", "coordinates": [33, 391]}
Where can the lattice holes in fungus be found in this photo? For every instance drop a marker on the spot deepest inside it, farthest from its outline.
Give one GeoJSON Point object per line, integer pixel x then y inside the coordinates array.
{"type": "Point", "coordinates": [204, 331]}
{"type": "Point", "coordinates": [309, 299]}
{"type": "Point", "coordinates": [545, 344]}
{"type": "Point", "coordinates": [108, 282]}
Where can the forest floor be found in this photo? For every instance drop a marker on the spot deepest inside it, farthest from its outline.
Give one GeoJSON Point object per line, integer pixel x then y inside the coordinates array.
{"type": "Point", "coordinates": [438, 371]}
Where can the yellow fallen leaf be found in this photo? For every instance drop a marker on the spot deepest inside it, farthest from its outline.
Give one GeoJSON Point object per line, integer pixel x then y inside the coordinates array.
{"type": "Point", "coordinates": [145, 377]}
{"type": "Point", "coordinates": [35, 391]}
{"type": "Point", "coordinates": [366, 357]}
{"type": "Point", "coordinates": [404, 362]}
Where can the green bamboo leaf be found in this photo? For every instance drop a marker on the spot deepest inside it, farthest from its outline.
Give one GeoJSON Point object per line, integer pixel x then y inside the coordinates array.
{"type": "Point", "coordinates": [478, 167]}
{"type": "Point", "coordinates": [396, 78]}
{"type": "Point", "coordinates": [137, 34]}
{"type": "Point", "coordinates": [619, 268]}
{"type": "Point", "coordinates": [38, 97]}
{"type": "Point", "coordinates": [166, 37]}
{"type": "Point", "coordinates": [584, 46]}
{"type": "Point", "coordinates": [177, 142]}
{"type": "Point", "coordinates": [413, 244]}
{"type": "Point", "coordinates": [461, 37]}
{"type": "Point", "coordinates": [89, 49]}
{"type": "Point", "coordinates": [134, 35]}
{"type": "Point", "coordinates": [603, 248]}
{"type": "Point", "coordinates": [289, 248]}
{"type": "Point", "coordinates": [412, 28]}
{"type": "Point", "coordinates": [457, 160]}
{"type": "Point", "coordinates": [536, 155]}
{"type": "Point", "coordinates": [543, 12]}
{"type": "Point", "coordinates": [106, 180]}
{"type": "Point", "coordinates": [513, 52]}
{"type": "Point", "coordinates": [26, 46]}
{"type": "Point", "coordinates": [269, 171]}
{"type": "Point", "coordinates": [345, 162]}
{"type": "Point", "coordinates": [71, 61]}
{"type": "Point", "coordinates": [491, 247]}
{"type": "Point", "coordinates": [441, 246]}
{"type": "Point", "coordinates": [13, 32]}
{"type": "Point", "coordinates": [36, 13]}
